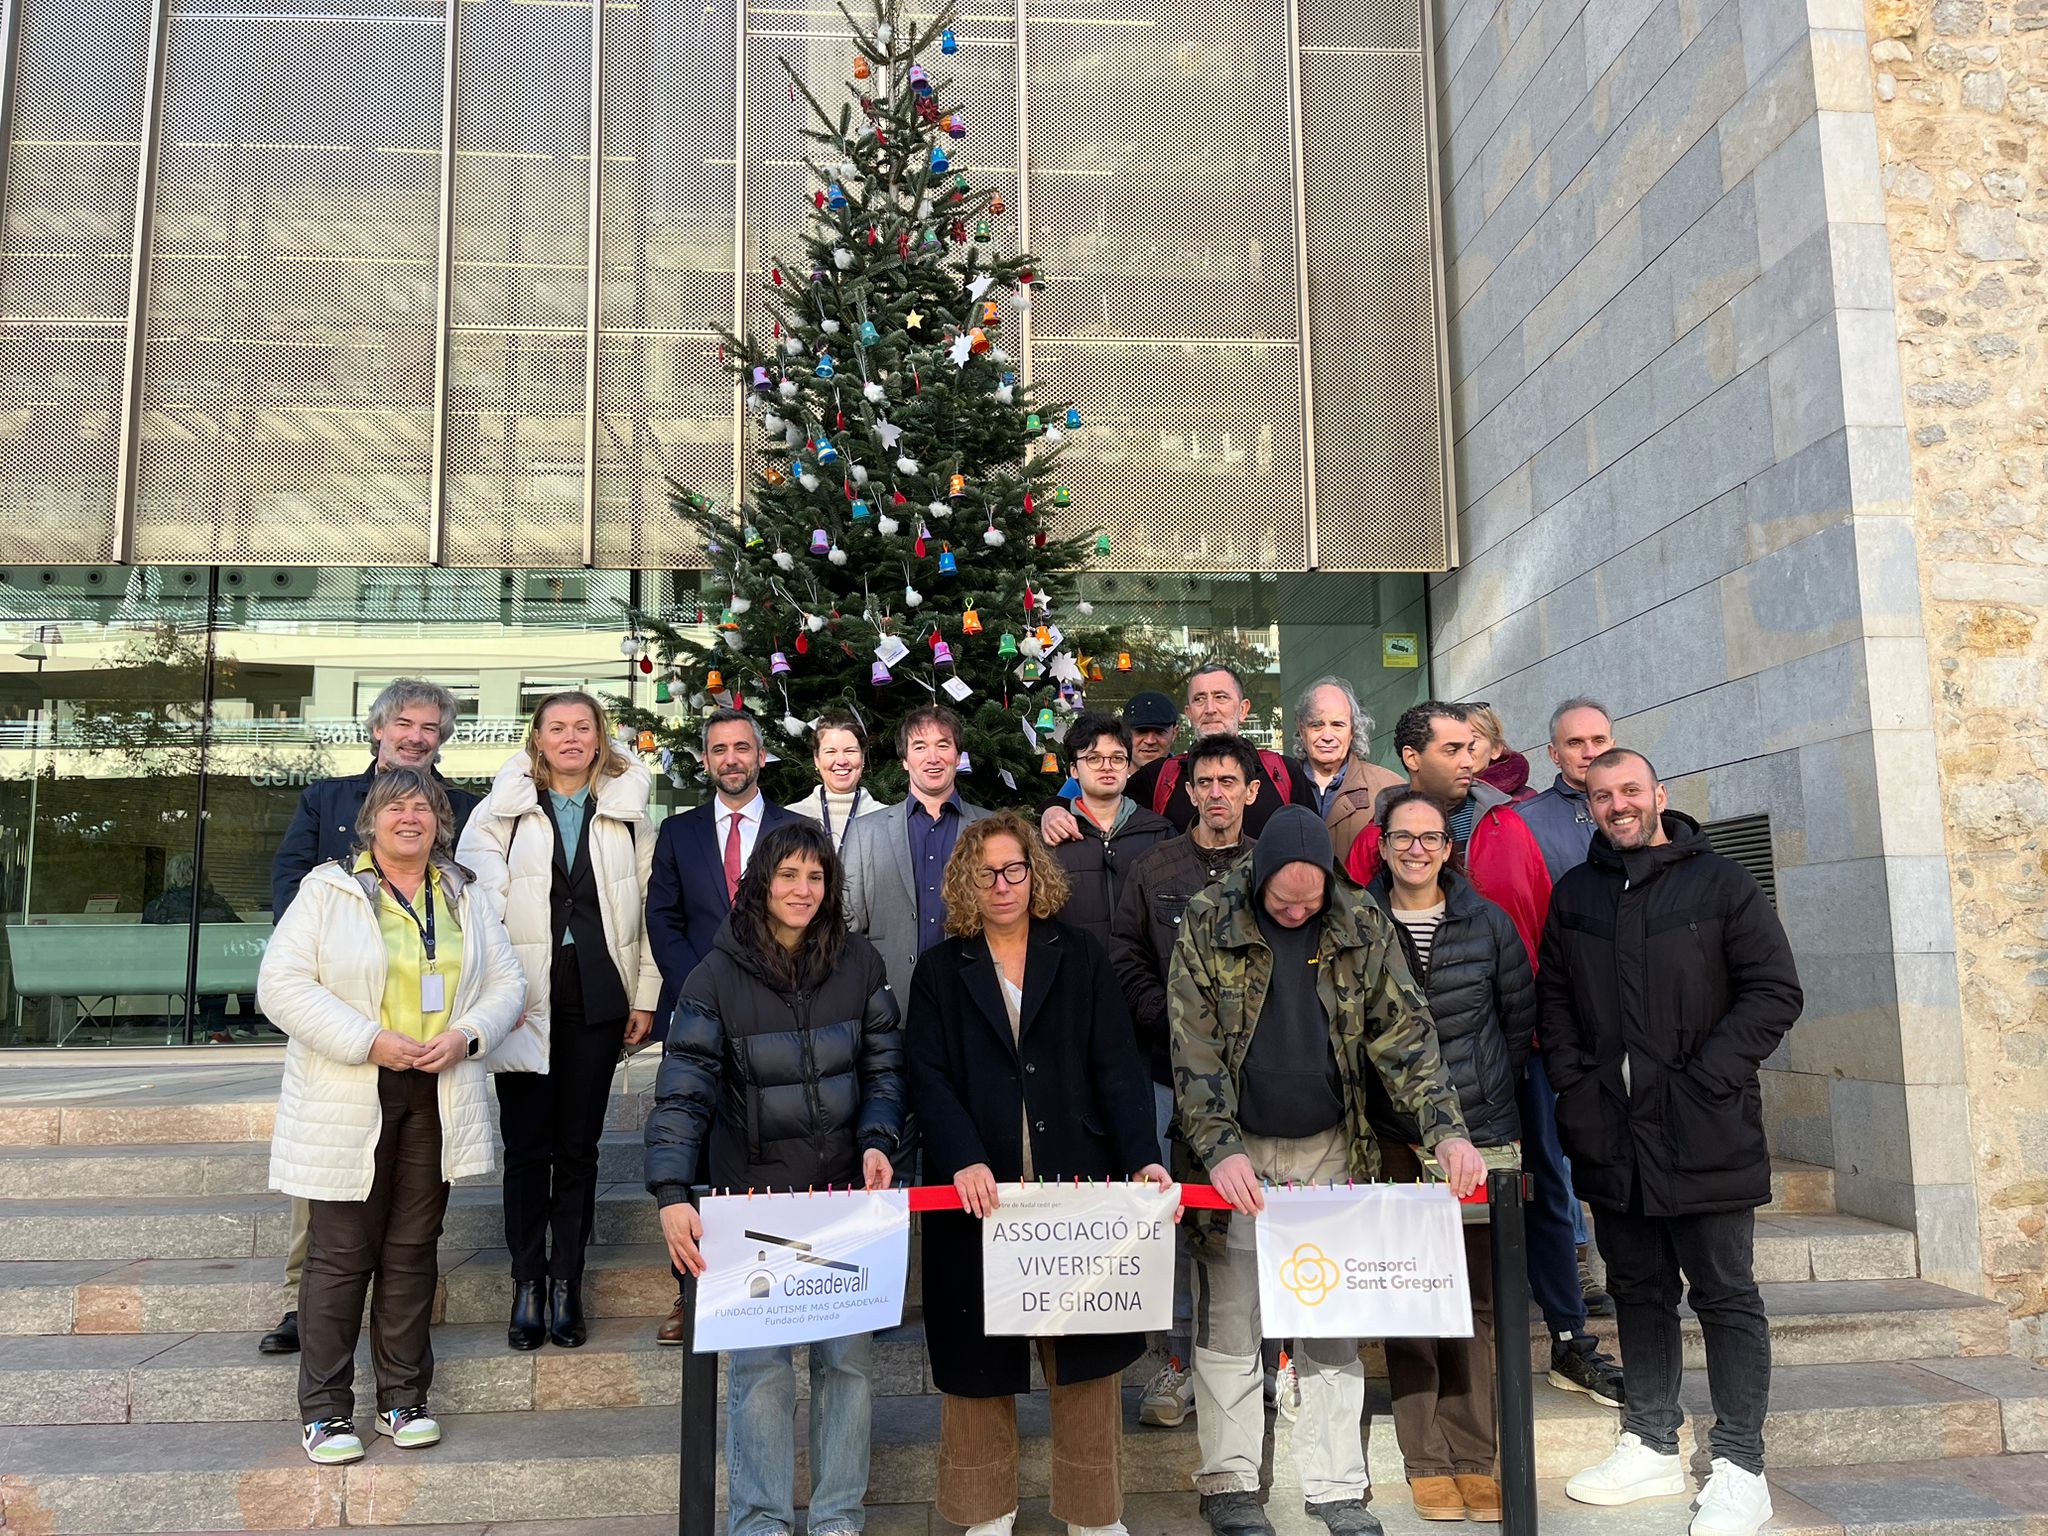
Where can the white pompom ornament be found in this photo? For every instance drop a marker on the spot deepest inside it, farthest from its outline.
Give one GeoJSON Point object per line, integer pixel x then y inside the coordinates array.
{"type": "Point", "coordinates": [837, 557]}
{"type": "Point", "coordinates": [793, 347]}
{"type": "Point", "coordinates": [740, 605]}
{"type": "Point", "coordinates": [992, 536]}
{"type": "Point", "coordinates": [888, 526]}
{"type": "Point", "coordinates": [885, 34]}
{"type": "Point", "coordinates": [1030, 647]}
{"type": "Point", "coordinates": [907, 464]}
{"type": "Point", "coordinates": [784, 560]}
{"type": "Point", "coordinates": [770, 422]}
{"type": "Point", "coordinates": [808, 481]}
{"type": "Point", "coordinates": [860, 474]}
{"type": "Point", "coordinates": [875, 393]}
{"type": "Point", "coordinates": [842, 258]}
{"type": "Point", "coordinates": [732, 639]}
{"type": "Point", "coordinates": [912, 597]}
{"type": "Point", "coordinates": [1005, 393]}
{"type": "Point", "coordinates": [829, 327]}
{"type": "Point", "coordinates": [816, 621]}
{"type": "Point", "coordinates": [788, 389]}
{"type": "Point", "coordinates": [938, 508]}
{"type": "Point", "coordinates": [1084, 608]}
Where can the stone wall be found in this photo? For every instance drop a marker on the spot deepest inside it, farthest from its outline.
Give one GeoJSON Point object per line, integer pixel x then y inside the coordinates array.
{"type": "Point", "coordinates": [1962, 99]}
{"type": "Point", "coordinates": [1686, 486]}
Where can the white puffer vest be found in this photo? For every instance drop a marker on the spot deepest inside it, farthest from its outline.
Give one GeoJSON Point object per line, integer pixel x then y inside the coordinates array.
{"type": "Point", "coordinates": [510, 844]}
{"type": "Point", "coordinates": [322, 983]}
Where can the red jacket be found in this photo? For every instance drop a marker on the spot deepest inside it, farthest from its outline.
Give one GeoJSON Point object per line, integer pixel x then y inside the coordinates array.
{"type": "Point", "coordinates": [1503, 861]}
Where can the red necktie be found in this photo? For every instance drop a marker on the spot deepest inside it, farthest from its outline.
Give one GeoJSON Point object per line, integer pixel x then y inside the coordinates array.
{"type": "Point", "coordinates": [732, 857]}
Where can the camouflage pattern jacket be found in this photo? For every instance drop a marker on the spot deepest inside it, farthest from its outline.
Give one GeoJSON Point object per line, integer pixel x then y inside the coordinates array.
{"type": "Point", "coordinates": [1216, 987]}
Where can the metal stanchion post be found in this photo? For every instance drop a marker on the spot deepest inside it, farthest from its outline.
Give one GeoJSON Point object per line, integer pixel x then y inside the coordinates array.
{"type": "Point", "coordinates": [1505, 1191]}
{"type": "Point", "coordinates": [697, 1499]}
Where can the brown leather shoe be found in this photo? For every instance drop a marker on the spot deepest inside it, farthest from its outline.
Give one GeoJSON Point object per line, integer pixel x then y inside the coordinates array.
{"type": "Point", "coordinates": [1481, 1497]}
{"type": "Point", "coordinates": [1436, 1498]}
{"type": "Point", "coordinates": [671, 1332]}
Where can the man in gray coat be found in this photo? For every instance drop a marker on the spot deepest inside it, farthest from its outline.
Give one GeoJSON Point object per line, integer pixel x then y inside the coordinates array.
{"type": "Point", "coordinates": [896, 857]}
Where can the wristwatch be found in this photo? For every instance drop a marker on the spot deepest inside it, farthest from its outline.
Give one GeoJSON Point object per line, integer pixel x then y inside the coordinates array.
{"type": "Point", "coordinates": [476, 1041]}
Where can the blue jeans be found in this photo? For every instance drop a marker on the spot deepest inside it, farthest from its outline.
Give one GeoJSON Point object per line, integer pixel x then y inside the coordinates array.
{"type": "Point", "coordinates": [760, 1443]}
{"type": "Point", "coordinates": [1556, 1223]}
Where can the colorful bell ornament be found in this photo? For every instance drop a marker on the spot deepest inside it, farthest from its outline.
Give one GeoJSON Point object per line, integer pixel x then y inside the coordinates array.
{"type": "Point", "coordinates": [1032, 423]}
{"type": "Point", "coordinates": [1045, 719]}
{"type": "Point", "coordinates": [827, 454]}
{"type": "Point", "coordinates": [920, 82]}
{"type": "Point", "coordinates": [956, 126]}
{"type": "Point", "coordinates": [1073, 417]}
{"type": "Point", "coordinates": [939, 160]}
{"type": "Point", "coordinates": [751, 537]}
{"type": "Point", "coordinates": [996, 205]}
{"type": "Point", "coordinates": [1061, 497]}
{"type": "Point", "coordinates": [990, 315]}
{"type": "Point", "coordinates": [826, 368]}
{"type": "Point", "coordinates": [861, 70]}
{"type": "Point", "coordinates": [1050, 763]}
{"type": "Point", "coordinates": [762, 383]}
{"type": "Point", "coordinates": [982, 232]}
{"type": "Point", "coordinates": [1007, 646]}
{"type": "Point", "coordinates": [1102, 543]}
{"type": "Point", "coordinates": [948, 566]}
{"type": "Point", "coordinates": [948, 43]}
{"type": "Point", "coordinates": [714, 680]}
{"type": "Point", "coordinates": [774, 476]}
{"type": "Point", "coordinates": [878, 674]}
{"type": "Point", "coordinates": [778, 664]}
{"type": "Point", "coordinates": [836, 198]}
{"type": "Point", "coordinates": [970, 622]}
{"type": "Point", "coordinates": [868, 334]}
{"type": "Point", "coordinates": [931, 239]}
{"type": "Point", "coordinates": [646, 741]}
{"type": "Point", "coordinates": [662, 692]}
{"type": "Point", "coordinates": [820, 541]}
{"type": "Point", "coordinates": [1045, 636]}
{"type": "Point", "coordinates": [1123, 661]}
{"type": "Point", "coordinates": [942, 653]}
{"type": "Point", "coordinates": [977, 341]}
{"type": "Point", "coordinates": [862, 511]}
{"type": "Point", "coordinates": [956, 486]}
{"type": "Point", "coordinates": [1031, 671]}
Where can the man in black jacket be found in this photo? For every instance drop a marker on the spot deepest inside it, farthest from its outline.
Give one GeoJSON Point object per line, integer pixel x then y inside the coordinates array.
{"type": "Point", "coordinates": [408, 723]}
{"type": "Point", "coordinates": [1665, 981]}
{"type": "Point", "coordinates": [1114, 829]}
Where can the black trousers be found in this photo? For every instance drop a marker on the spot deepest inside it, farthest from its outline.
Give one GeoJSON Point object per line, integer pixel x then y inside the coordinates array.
{"type": "Point", "coordinates": [551, 1123]}
{"type": "Point", "coordinates": [1716, 1253]}
{"type": "Point", "coordinates": [392, 1236]}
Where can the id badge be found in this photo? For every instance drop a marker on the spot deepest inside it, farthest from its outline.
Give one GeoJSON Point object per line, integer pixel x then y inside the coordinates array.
{"type": "Point", "coordinates": [433, 992]}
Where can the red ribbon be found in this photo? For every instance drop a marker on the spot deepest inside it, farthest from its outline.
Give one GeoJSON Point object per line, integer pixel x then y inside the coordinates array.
{"type": "Point", "coordinates": [1193, 1197]}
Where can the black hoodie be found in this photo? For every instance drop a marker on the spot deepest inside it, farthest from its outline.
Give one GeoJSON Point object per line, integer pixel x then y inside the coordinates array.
{"type": "Point", "coordinates": [1289, 1084]}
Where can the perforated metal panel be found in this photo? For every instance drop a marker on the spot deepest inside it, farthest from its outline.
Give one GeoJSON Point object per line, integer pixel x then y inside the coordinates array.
{"type": "Point", "coordinates": [518, 286]}
{"type": "Point", "coordinates": [1372, 301]}
{"type": "Point", "coordinates": [1362, 24]}
{"type": "Point", "coordinates": [665, 407]}
{"type": "Point", "coordinates": [67, 232]}
{"type": "Point", "coordinates": [288, 375]}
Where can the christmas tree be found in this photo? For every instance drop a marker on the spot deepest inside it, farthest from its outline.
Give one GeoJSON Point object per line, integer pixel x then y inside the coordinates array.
{"type": "Point", "coordinates": [895, 547]}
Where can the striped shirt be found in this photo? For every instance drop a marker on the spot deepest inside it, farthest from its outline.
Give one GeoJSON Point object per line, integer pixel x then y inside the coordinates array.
{"type": "Point", "coordinates": [1421, 924]}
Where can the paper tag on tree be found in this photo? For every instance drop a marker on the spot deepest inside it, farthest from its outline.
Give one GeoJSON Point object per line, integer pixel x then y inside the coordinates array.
{"type": "Point", "coordinates": [1030, 735]}
{"type": "Point", "coordinates": [956, 690]}
{"type": "Point", "coordinates": [966, 763]}
{"type": "Point", "coordinates": [891, 650]}
{"type": "Point", "coordinates": [1008, 783]}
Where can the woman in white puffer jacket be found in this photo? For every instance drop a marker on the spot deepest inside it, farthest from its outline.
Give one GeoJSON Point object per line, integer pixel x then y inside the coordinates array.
{"type": "Point", "coordinates": [563, 845]}
{"type": "Point", "coordinates": [392, 976]}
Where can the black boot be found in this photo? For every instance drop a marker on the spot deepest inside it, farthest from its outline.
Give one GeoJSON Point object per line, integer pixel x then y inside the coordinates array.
{"type": "Point", "coordinates": [284, 1338]}
{"type": "Point", "coordinates": [565, 1314]}
{"type": "Point", "coordinates": [529, 1322]}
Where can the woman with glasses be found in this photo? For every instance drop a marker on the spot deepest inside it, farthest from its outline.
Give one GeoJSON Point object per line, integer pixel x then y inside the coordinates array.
{"type": "Point", "coordinates": [1022, 1066]}
{"type": "Point", "coordinates": [1470, 964]}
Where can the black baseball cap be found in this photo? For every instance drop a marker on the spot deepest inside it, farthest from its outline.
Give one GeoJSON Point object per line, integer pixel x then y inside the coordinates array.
{"type": "Point", "coordinates": [1151, 712]}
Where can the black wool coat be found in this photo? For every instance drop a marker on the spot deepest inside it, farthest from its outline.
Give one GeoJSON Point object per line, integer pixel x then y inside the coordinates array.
{"type": "Point", "coordinates": [1482, 1000]}
{"type": "Point", "coordinates": [1074, 1072]}
{"type": "Point", "coordinates": [1670, 960]}
{"type": "Point", "coordinates": [764, 1086]}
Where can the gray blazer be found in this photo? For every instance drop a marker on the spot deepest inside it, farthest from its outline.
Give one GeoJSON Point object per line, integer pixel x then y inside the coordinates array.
{"type": "Point", "coordinates": [881, 900]}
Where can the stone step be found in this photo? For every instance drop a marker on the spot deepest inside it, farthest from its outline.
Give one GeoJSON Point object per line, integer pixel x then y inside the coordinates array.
{"type": "Point", "coordinates": [1821, 1415]}
{"type": "Point", "coordinates": [622, 1462]}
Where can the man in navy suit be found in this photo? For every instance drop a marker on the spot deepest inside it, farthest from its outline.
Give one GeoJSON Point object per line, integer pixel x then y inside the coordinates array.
{"type": "Point", "coordinates": [698, 860]}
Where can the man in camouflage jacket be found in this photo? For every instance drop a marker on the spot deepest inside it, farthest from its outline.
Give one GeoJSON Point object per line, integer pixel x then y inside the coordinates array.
{"type": "Point", "coordinates": [1286, 988]}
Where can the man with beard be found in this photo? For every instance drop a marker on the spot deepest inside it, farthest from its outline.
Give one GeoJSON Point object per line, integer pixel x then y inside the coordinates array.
{"type": "Point", "coordinates": [1665, 981]}
{"type": "Point", "coordinates": [698, 860]}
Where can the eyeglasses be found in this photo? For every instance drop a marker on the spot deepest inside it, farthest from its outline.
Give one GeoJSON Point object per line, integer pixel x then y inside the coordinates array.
{"type": "Point", "coordinates": [1432, 842]}
{"type": "Point", "coordinates": [1018, 873]}
{"type": "Point", "coordinates": [1102, 760]}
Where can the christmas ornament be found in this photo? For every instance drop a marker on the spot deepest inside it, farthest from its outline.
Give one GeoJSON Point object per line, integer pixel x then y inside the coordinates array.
{"type": "Point", "coordinates": [868, 334]}
{"type": "Point", "coordinates": [842, 258]}
{"type": "Point", "coordinates": [938, 508]}
{"type": "Point", "coordinates": [1045, 636]}
{"type": "Point", "coordinates": [977, 341]}
{"type": "Point", "coordinates": [803, 645]}
{"type": "Point", "coordinates": [784, 560]}
{"type": "Point", "coordinates": [981, 231]}
{"type": "Point", "coordinates": [861, 511]}
{"type": "Point", "coordinates": [907, 465]}
{"type": "Point", "coordinates": [920, 82]}
{"type": "Point", "coordinates": [1102, 543]}
{"type": "Point", "coordinates": [970, 622]}
{"type": "Point", "coordinates": [825, 365]}
{"type": "Point", "coordinates": [761, 383]}
{"type": "Point", "coordinates": [1095, 672]}
{"type": "Point", "coordinates": [860, 474]}
{"type": "Point", "coordinates": [1123, 661]}
{"type": "Point", "coordinates": [646, 742]}
{"type": "Point", "coordinates": [739, 605]}
{"type": "Point", "coordinates": [836, 555]}
{"type": "Point", "coordinates": [1073, 417]}
{"type": "Point", "coordinates": [939, 160]}
{"type": "Point", "coordinates": [1050, 763]}
{"type": "Point", "coordinates": [861, 71]}
{"type": "Point", "coordinates": [947, 42]}
{"type": "Point", "coordinates": [995, 205]}
{"type": "Point", "coordinates": [1031, 671]}
{"type": "Point", "coordinates": [942, 653]}
{"type": "Point", "coordinates": [1007, 646]}
{"type": "Point", "coordinates": [827, 454]}
{"type": "Point", "coordinates": [714, 680]}
{"type": "Point", "coordinates": [819, 541]}
{"type": "Point", "coordinates": [956, 487]}
{"type": "Point", "coordinates": [751, 537]}
{"type": "Point", "coordinates": [990, 315]}
{"type": "Point", "coordinates": [1033, 424]}
{"type": "Point", "coordinates": [770, 422]}
{"type": "Point", "coordinates": [889, 526]}
{"type": "Point", "coordinates": [874, 392]}
{"type": "Point", "coordinates": [787, 388]}
{"type": "Point", "coordinates": [1045, 720]}
{"type": "Point", "coordinates": [778, 664]}
{"type": "Point", "coordinates": [878, 674]}
{"type": "Point", "coordinates": [1061, 497]}
{"type": "Point", "coordinates": [956, 126]}
{"type": "Point", "coordinates": [912, 597]}
{"type": "Point", "coordinates": [947, 565]}
{"type": "Point", "coordinates": [992, 536]}
{"type": "Point", "coordinates": [836, 198]}
{"type": "Point", "coordinates": [662, 695]}
{"type": "Point", "coordinates": [913, 320]}
{"type": "Point", "coordinates": [885, 34]}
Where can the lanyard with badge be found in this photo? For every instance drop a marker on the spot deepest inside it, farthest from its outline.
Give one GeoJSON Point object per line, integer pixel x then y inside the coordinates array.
{"type": "Point", "coordinates": [433, 985]}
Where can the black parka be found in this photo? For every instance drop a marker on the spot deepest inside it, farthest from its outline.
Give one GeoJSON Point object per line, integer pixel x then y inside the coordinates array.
{"type": "Point", "coordinates": [1482, 999]}
{"type": "Point", "coordinates": [1668, 959]}
{"type": "Point", "coordinates": [1097, 862]}
{"type": "Point", "coordinates": [786, 1087]}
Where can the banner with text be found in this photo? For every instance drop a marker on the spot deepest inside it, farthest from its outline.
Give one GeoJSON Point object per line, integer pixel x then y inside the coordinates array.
{"type": "Point", "coordinates": [1078, 1258]}
{"type": "Point", "coordinates": [1383, 1261]}
{"type": "Point", "coordinates": [790, 1268]}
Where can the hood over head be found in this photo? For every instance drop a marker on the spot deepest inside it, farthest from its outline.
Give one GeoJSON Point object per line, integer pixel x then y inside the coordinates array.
{"type": "Point", "coordinates": [1293, 835]}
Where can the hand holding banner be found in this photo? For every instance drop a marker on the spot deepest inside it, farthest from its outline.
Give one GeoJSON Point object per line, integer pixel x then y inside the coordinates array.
{"type": "Point", "coordinates": [793, 1268]}
{"type": "Point", "coordinates": [1373, 1261]}
{"type": "Point", "coordinates": [1078, 1258]}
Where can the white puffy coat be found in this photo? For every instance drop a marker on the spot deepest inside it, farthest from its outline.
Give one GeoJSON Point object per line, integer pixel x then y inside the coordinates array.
{"type": "Point", "coordinates": [322, 983]}
{"type": "Point", "coordinates": [510, 844]}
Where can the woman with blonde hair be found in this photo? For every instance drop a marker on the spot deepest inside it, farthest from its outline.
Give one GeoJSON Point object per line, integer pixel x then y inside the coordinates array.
{"type": "Point", "coordinates": [392, 976]}
{"type": "Point", "coordinates": [1500, 765]}
{"type": "Point", "coordinates": [1022, 1065]}
{"type": "Point", "coordinates": [562, 845]}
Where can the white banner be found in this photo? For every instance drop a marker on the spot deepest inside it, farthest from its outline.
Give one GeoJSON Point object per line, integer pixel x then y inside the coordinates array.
{"type": "Point", "coordinates": [1381, 1261]}
{"type": "Point", "coordinates": [1078, 1258]}
{"type": "Point", "coordinates": [790, 1268]}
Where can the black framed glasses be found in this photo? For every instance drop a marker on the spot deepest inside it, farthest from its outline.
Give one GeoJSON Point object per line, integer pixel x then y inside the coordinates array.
{"type": "Point", "coordinates": [1018, 873]}
{"type": "Point", "coordinates": [1432, 842]}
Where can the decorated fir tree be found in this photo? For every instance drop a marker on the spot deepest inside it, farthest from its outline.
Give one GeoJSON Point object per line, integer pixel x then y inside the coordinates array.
{"type": "Point", "coordinates": [895, 546]}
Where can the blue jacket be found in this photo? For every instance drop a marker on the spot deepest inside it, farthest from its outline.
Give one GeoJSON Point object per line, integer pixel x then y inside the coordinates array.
{"type": "Point", "coordinates": [1562, 824]}
{"type": "Point", "coordinates": [324, 828]}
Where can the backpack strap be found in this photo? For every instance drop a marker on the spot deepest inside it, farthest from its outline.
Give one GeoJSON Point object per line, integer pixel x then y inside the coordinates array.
{"type": "Point", "coordinates": [1164, 786]}
{"type": "Point", "coordinates": [1277, 770]}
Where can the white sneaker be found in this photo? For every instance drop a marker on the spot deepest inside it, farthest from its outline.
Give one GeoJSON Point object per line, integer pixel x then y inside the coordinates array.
{"type": "Point", "coordinates": [331, 1442]}
{"type": "Point", "coordinates": [1735, 1502]}
{"type": "Point", "coordinates": [1631, 1471]}
{"type": "Point", "coordinates": [1169, 1397]}
{"type": "Point", "coordinates": [1098, 1530]}
{"type": "Point", "coordinates": [1000, 1526]}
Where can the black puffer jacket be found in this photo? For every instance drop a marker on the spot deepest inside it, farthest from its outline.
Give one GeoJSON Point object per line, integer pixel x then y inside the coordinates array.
{"type": "Point", "coordinates": [1665, 979]}
{"type": "Point", "coordinates": [788, 1089]}
{"type": "Point", "coordinates": [1482, 998]}
{"type": "Point", "coordinates": [1098, 862]}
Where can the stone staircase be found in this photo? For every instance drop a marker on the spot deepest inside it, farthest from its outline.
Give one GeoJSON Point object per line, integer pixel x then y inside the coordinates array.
{"type": "Point", "coordinates": [140, 1257]}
